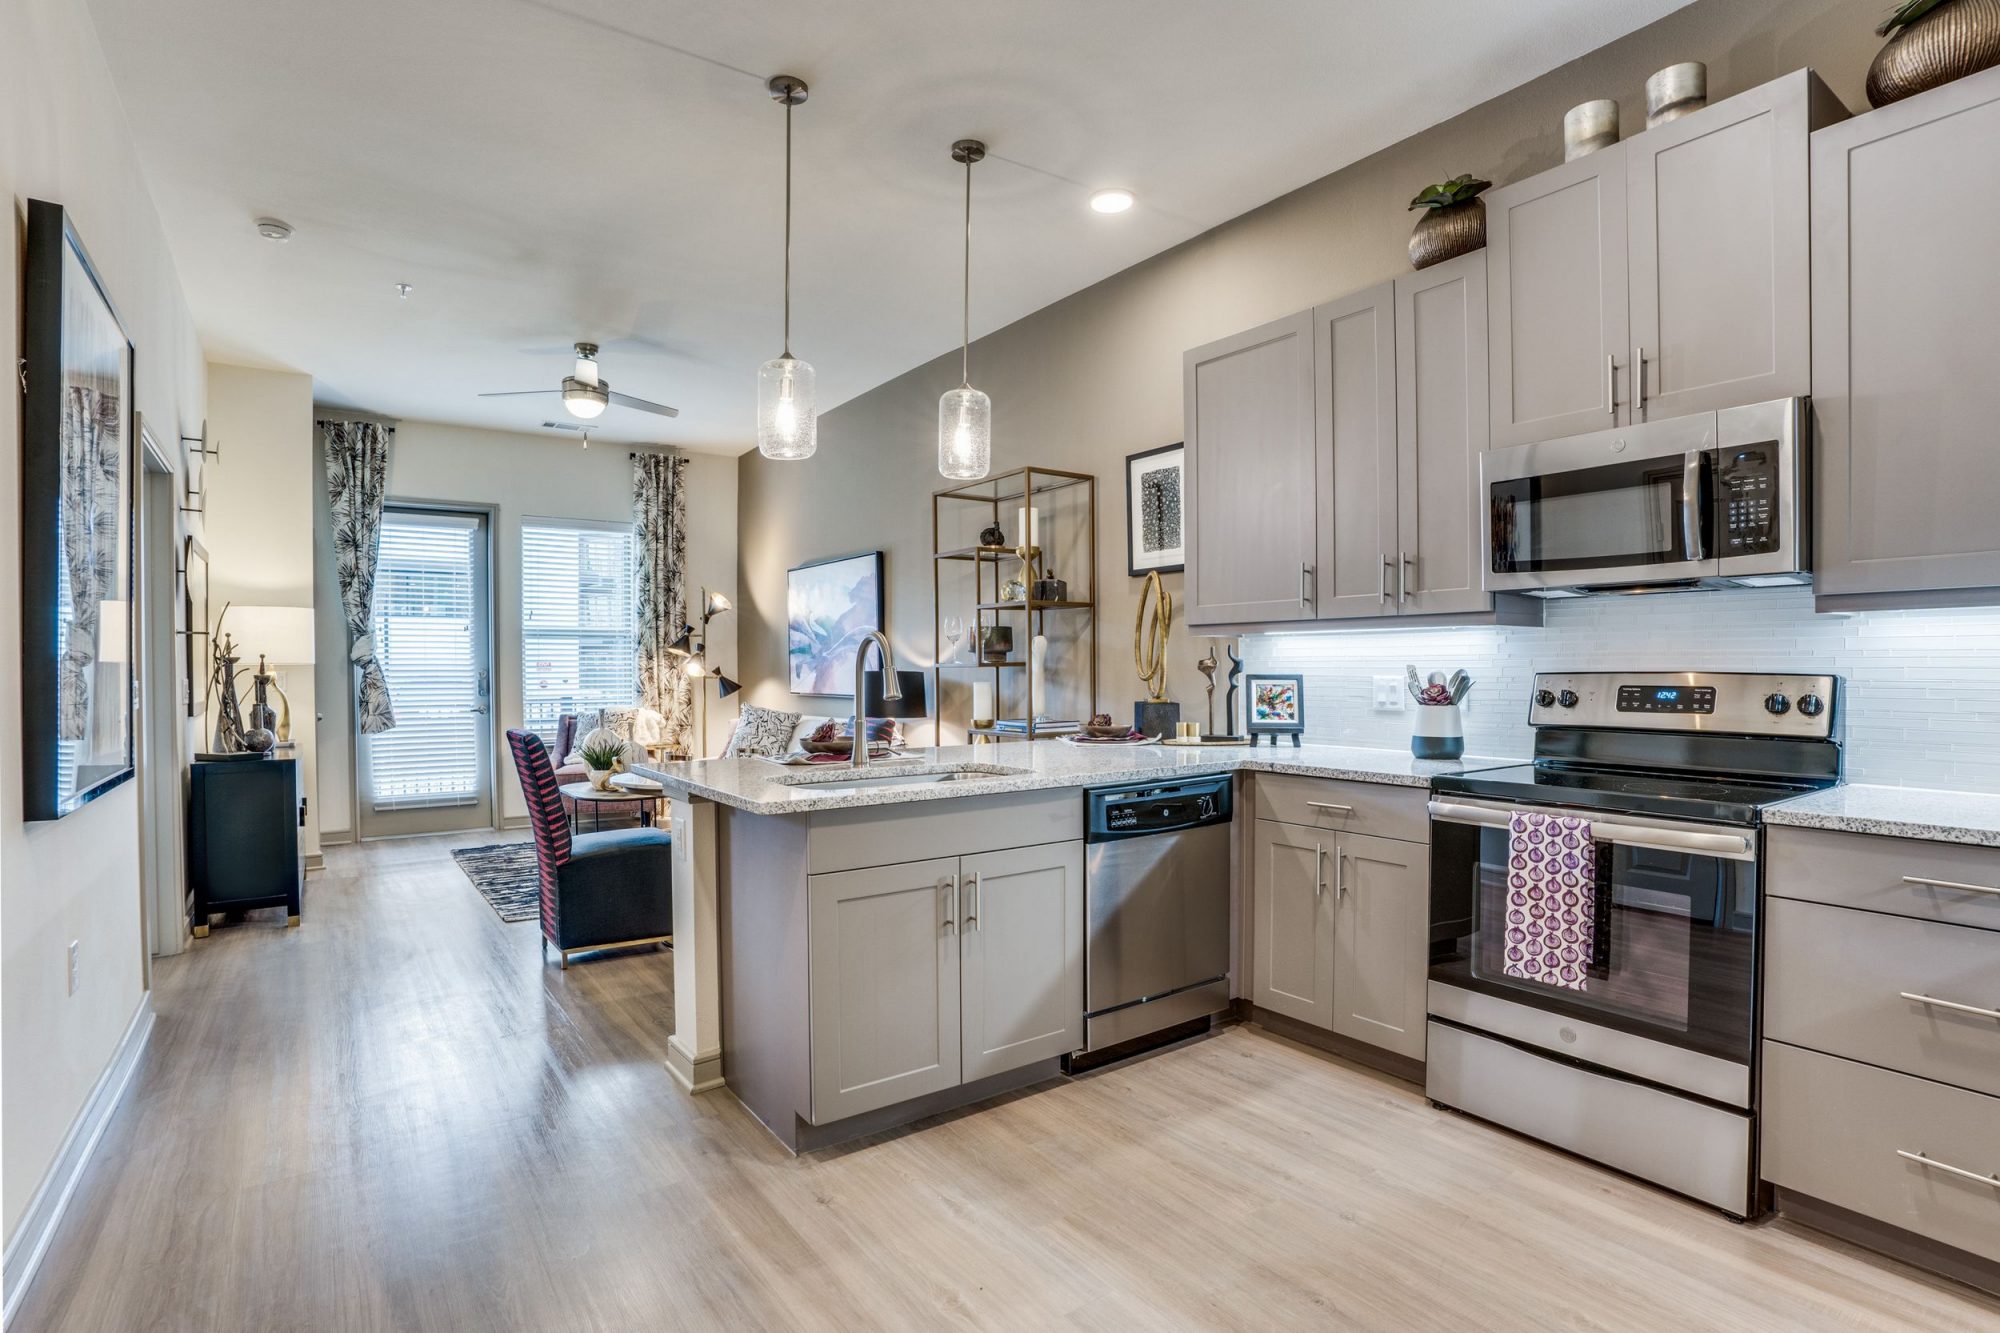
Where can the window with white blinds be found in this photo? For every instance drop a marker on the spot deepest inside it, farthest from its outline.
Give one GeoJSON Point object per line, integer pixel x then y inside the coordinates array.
{"type": "Point", "coordinates": [425, 628]}
{"type": "Point", "coordinates": [579, 635]}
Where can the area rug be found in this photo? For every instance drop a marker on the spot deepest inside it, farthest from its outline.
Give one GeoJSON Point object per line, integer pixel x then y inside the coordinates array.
{"type": "Point", "coordinates": [505, 876]}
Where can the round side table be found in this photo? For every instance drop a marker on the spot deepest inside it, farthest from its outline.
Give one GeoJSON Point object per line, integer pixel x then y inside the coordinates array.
{"type": "Point", "coordinates": [582, 793]}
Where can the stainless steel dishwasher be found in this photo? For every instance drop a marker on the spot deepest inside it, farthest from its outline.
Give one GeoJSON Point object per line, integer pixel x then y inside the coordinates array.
{"type": "Point", "coordinates": [1156, 894]}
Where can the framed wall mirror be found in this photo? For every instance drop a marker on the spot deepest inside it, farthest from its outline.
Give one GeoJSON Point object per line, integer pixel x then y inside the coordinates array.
{"type": "Point", "coordinates": [194, 606]}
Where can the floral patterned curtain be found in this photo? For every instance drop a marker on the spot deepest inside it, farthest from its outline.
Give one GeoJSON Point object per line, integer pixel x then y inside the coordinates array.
{"type": "Point", "coordinates": [659, 526]}
{"type": "Point", "coordinates": [357, 478]}
{"type": "Point", "coordinates": [90, 454]}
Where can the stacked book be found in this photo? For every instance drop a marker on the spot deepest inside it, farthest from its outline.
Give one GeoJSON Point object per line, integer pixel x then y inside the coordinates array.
{"type": "Point", "coordinates": [1044, 726]}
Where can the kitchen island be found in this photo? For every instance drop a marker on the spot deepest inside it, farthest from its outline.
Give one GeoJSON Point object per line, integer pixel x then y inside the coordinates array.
{"type": "Point", "coordinates": [858, 948]}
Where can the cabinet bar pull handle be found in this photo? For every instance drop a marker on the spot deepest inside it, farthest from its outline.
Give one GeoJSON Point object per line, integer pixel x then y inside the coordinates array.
{"type": "Point", "coordinates": [1611, 383]}
{"type": "Point", "coordinates": [1319, 870]}
{"type": "Point", "coordinates": [1383, 592]}
{"type": "Point", "coordinates": [972, 903]}
{"type": "Point", "coordinates": [1339, 874]}
{"type": "Point", "coordinates": [1305, 575]}
{"type": "Point", "coordinates": [1933, 1001]}
{"type": "Point", "coordinates": [951, 905]}
{"type": "Point", "coordinates": [1330, 805]}
{"type": "Point", "coordinates": [1403, 565]}
{"type": "Point", "coordinates": [1952, 884]}
{"type": "Point", "coordinates": [1935, 1165]}
{"type": "Point", "coordinates": [1638, 380]}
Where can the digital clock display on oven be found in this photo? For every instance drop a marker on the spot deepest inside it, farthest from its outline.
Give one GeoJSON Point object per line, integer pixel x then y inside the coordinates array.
{"type": "Point", "coordinates": [1666, 698]}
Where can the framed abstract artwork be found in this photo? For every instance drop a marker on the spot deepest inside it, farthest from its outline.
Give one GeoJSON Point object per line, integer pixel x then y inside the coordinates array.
{"type": "Point", "coordinates": [1274, 706]}
{"type": "Point", "coordinates": [78, 517]}
{"type": "Point", "coordinates": [1155, 521]}
{"type": "Point", "coordinates": [829, 606]}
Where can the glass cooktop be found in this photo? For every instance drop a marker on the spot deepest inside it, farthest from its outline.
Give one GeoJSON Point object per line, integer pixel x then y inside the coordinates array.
{"type": "Point", "coordinates": [1722, 800]}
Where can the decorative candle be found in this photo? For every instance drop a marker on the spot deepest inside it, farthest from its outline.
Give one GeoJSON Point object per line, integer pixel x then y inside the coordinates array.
{"type": "Point", "coordinates": [1028, 527]}
{"type": "Point", "coordinates": [982, 703]}
{"type": "Point", "coordinates": [1038, 651]}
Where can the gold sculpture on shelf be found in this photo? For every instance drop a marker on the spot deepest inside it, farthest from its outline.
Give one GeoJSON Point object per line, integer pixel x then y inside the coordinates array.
{"type": "Point", "coordinates": [1149, 639]}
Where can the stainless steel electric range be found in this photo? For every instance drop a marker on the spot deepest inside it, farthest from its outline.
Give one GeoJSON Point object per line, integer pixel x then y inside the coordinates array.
{"type": "Point", "coordinates": [1594, 918]}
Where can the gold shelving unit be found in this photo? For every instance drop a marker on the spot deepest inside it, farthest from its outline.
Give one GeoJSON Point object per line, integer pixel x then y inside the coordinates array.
{"type": "Point", "coordinates": [988, 500]}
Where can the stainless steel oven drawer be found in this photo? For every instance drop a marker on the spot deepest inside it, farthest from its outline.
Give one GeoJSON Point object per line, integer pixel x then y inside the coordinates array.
{"type": "Point", "coordinates": [1933, 881]}
{"type": "Point", "coordinates": [1902, 1150]}
{"type": "Point", "coordinates": [1699, 1150]}
{"type": "Point", "coordinates": [1916, 996]}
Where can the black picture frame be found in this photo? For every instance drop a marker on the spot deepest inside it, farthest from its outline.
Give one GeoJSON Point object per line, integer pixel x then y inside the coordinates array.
{"type": "Point", "coordinates": [827, 640]}
{"type": "Point", "coordinates": [78, 702]}
{"type": "Point", "coordinates": [1294, 724]}
{"type": "Point", "coordinates": [1138, 565]}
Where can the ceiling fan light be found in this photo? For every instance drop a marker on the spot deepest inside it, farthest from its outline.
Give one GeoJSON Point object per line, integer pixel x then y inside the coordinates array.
{"type": "Point", "coordinates": [585, 400]}
{"type": "Point", "coordinates": [787, 410]}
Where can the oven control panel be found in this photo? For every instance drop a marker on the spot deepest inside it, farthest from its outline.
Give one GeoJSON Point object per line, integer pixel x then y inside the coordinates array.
{"type": "Point", "coordinates": [1724, 702]}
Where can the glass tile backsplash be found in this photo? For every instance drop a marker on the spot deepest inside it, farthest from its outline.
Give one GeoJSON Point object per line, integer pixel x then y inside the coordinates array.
{"type": "Point", "coordinates": [1923, 687]}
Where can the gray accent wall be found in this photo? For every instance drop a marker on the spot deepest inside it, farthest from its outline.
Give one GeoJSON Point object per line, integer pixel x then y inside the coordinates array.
{"type": "Point", "coordinates": [1084, 382]}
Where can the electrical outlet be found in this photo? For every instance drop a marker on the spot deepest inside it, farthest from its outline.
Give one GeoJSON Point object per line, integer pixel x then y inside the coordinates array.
{"type": "Point", "coordinates": [1389, 694]}
{"type": "Point", "coordinates": [72, 966]}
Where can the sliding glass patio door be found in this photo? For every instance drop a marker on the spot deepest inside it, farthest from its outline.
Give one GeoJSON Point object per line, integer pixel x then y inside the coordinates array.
{"type": "Point", "coordinates": [434, 772]}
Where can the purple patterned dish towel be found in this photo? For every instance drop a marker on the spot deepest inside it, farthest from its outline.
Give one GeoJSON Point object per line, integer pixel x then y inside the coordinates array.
{"type": "Point", "coordinates": [1551, 899]}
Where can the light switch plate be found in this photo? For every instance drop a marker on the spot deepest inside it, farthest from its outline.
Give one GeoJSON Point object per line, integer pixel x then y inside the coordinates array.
{"type": "Point", "coordinates": [1389, 694]}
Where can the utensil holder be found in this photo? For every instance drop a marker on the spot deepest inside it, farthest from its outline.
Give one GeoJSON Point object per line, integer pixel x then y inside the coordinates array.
{"type": "Point", "coordinates": [1438, 732]}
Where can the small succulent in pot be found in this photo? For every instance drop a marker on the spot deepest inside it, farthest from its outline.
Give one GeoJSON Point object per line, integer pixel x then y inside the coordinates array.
{"type": "Point", "coordinates": [1454, 220]}
{"type": "Point", "coordinates": [1932, 42]}
{"type": "Point", "coordinates": [602, 759]}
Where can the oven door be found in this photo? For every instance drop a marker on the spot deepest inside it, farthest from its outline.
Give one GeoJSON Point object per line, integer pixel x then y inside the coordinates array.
{"type": "Point", "coordinates": [1620, 507]}
{"type": "Point", "coordinates": [1672, 949]}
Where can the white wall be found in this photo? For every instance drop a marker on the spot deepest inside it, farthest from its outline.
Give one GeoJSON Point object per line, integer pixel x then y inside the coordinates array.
{"type": "Point", "coordinates": [1923, 687]}
{"type": "Point", "coordinates": [521, 476]}
{"type": "Point", "coordinates": [64, 137]}
{"type": "Point", "coordinates": [259, 525]}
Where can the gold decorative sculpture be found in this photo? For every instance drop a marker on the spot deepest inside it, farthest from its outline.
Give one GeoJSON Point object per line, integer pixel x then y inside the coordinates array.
{"type": "Point", "coordinates": [1149, 639]}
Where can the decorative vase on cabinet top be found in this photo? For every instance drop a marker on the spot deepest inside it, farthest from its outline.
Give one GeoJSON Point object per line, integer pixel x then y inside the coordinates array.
{"type": "Point", "coordinates": [1958, 38]}
{"type": "Point", "coordinates": [1447, 233]}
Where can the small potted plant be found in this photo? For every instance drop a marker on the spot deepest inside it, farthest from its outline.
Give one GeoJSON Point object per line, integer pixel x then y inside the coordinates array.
{"type": "Point", "coordinates": [1454, 220]}
{"type": "Point", "coordinates": [601, 759]}
{"type": "Point", "coordinates": [1933, 42]}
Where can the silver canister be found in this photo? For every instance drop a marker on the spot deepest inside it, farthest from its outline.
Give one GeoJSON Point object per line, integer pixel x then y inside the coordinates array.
{"type": "Point", "coordinates": [1675, 91]}
{"type": "Point", "coordinates": [1589, 127]}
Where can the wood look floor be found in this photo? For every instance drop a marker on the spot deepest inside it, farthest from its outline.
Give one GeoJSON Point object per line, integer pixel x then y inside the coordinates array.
{"type": "Point", "coordinates": [396, 1117]}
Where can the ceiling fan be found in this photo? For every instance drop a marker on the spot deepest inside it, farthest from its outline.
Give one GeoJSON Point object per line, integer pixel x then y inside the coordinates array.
{"type": "Point", "coordinates": [586, 394]}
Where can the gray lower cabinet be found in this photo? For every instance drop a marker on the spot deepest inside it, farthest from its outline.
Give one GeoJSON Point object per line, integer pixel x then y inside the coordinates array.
{"type": "Point", "coordinates": [1250, 475]}
{"type": "Point", "coordinates": [1381, 942]}
{"type": "Point", "coordinates": [1340, 932]}
{"type": "Point", "coordinates": [884, 966]}
{"type": "Point", "coordinates": [1021, 957]}
{"type": "Point", "coordinates": [1906, 314]}
{"type": "Point", "coordinates": [934, 973]}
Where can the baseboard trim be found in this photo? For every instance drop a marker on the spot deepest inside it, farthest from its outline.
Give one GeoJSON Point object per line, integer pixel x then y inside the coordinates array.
{"type": "Point", "coordinates": [1387, 1062]}
{"type": "Point", "coordinates": [1887, 1238]}
{"type": "Point", "coordinates": [695, 1073]}
{"type": "Point", "coordinates": [30, 1241]}
{"type": "Point", "coordinates": [340, 837]}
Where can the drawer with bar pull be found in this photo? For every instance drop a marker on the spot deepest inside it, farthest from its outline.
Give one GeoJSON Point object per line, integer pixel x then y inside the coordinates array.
{"type": "Point", "coordinates": [1933, 881]}
{"type": "Point", "coordinates": [1906, 1151]}
{"type": "Point", "coordinates": [1351, 807]}
{"type": "Point", "coordinates": [1916, 996]}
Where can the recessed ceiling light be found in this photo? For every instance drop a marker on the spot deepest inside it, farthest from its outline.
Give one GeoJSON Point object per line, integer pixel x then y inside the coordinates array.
{"type": "Point", "coordinates": [274, 229]}
{"type": "Point", "coordinates": [1111, 201]}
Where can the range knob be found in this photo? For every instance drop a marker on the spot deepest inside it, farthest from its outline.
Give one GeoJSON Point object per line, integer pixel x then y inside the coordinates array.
{"type": "Point", "coordinates": [1778, 705]}
{"type": "Point", "coordinates": [1545, 698]}
{"type": "Point", "coordinates": [1568, 699]}
{"type": "Point", "coordinates": [1811, 705]}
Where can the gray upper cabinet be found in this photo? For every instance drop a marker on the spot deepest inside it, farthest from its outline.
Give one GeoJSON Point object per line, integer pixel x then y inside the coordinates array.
{"type": "Point", "coordinates": [1022, 956]}
{"type": "Point", "coordinates": [1718, 210]}
{"type": "Point", "coordinates": [1441, 429]}
{"type": "Point", "coordinates": [1381, 939]}
{"type": "Point", "coordinates": [1251, 475]}
{"type": "Point", "coordinates": [1292, 929]}
{"type": "Point", "coordinates": [884, 967]}
{"type": "Point", "coordinates": [1906, 316]}
{"type": "Point", "coordinates": [1556, 288]}
{"type": "Point", "coordinates": [1355, 355]}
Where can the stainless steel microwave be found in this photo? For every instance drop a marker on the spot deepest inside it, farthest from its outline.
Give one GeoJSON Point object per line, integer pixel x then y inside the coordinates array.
{"type": "Point", "coordinates": [1718, 499]}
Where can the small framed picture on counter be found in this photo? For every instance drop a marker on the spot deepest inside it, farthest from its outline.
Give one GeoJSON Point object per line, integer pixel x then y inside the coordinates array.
{"type": "Point", "coordinates": [1155, 526]}
{"type": "Point", "coordinates": [1274, 706]}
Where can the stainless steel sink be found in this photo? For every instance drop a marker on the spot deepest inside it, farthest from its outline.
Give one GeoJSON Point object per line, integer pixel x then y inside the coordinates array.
{"type": "Point", "coordinates": [840, 784]}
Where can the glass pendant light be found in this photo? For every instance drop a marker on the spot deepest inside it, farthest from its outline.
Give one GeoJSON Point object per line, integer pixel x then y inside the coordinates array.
{"type": "Point", "coordinates": [787, 418]}
{"type": "Point", "coordinates": [965, 415]}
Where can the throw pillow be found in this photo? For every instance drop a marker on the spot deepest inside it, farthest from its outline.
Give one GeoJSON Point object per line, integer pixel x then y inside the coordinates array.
{"type": "Point", "coordinates": [881, 730]}
{"type": "Point", "coordinates": [762, 731]}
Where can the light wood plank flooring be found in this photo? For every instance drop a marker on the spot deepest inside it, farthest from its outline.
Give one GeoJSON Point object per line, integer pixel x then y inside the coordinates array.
{"type": "Point", "coordinates": [396, 1117]}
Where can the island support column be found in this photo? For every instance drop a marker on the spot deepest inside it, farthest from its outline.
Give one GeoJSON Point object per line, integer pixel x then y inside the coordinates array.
{"type": "Point", "coordinates": [694, 1051]}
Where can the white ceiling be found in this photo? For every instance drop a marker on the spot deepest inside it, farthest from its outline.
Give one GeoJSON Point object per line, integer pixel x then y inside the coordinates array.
{"type": "Point", "coordinates": [547, 170]}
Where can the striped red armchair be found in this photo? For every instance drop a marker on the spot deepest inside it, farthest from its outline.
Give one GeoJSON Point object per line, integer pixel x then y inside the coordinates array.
{"type": "Point", "coordinates": [605, 890]}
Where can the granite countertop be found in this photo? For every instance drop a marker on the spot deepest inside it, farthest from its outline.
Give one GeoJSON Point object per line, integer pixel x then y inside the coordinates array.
{"type": "Point", "coordinates": [764, 788]}
{"type": "Point", "coordinates": [1896, 812]}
